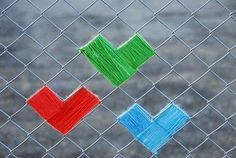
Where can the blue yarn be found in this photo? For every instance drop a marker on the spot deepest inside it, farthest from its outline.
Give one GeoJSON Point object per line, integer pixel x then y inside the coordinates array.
{"type": "Point", "coordinates": [153, 132]}
{"type": "Point", "coordinates": [136, 119]}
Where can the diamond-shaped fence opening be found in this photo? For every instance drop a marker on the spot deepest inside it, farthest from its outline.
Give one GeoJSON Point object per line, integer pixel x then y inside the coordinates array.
{"type": "Point", "coordinates": [208, 146]}
{"type": "Point", "coordinates": [194, 66]}
{"type": "Point", "coordinates": [130, 150]}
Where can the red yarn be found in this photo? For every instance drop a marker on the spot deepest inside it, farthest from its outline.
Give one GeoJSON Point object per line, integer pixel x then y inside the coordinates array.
{"type": "Point", "coordinates": [63, 115]}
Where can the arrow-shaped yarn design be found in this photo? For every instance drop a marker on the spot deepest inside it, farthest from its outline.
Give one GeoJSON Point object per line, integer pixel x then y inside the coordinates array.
{"type": "Point", "coordinates": [117, 64]}
{"type": "Point", "coordinates": [153, 132]}
{"type": "Point", "coordinates": [63, 114]}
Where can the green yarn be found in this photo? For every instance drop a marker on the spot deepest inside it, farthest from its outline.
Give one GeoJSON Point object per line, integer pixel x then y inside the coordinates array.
{"type": "Point", "coordinates": [117, 64]}
{"type": "Point", "coordinates": [102, 54]}
{"type": "Point", "coordinates": [135, 51]}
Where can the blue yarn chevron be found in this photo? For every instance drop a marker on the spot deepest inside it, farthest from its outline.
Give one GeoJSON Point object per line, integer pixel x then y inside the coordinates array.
{"type": "Point", "coordinates": [153, 132]}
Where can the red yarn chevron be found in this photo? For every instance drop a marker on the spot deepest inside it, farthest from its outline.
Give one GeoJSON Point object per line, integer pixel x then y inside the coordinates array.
{"type": "Point", "coordinates": [63, 114]}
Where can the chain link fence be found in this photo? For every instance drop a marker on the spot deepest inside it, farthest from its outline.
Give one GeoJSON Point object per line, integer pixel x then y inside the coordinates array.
{"type": "Point", "coordinates": [194, 66]}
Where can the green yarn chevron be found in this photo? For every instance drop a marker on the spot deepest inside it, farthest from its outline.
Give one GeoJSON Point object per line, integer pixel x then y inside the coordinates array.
{"type": "Point", "coordinates": [117, 64]}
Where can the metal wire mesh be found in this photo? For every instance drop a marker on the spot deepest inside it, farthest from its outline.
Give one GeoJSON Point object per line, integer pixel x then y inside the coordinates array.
{"type": "Point", "coordinates": [194, 66]}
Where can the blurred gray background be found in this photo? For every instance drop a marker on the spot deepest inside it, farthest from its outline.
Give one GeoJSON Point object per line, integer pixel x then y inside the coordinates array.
{"type": "Point", "coordinates": [194, 66]}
